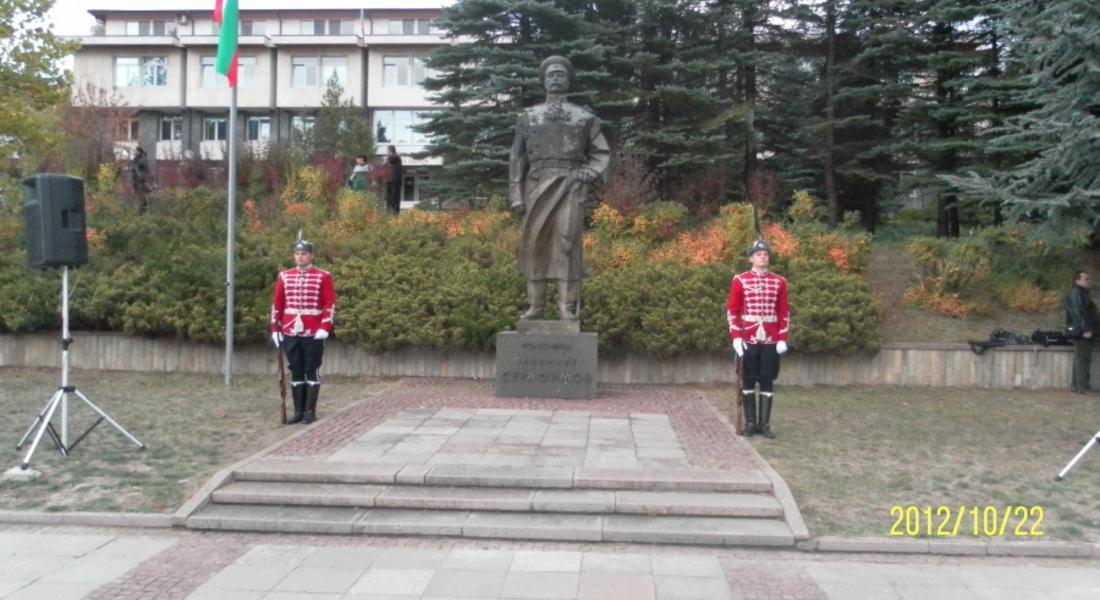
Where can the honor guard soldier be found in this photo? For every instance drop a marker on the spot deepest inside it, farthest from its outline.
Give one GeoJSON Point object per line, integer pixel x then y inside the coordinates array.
{"type": "Point", "coordinates": [759, 322]}
{"type": "Point", "coordinates": [301, 321]}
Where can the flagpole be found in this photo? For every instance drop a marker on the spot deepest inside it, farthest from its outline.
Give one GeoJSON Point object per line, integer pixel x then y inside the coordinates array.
{"type": "Point", "coordinates": [231, 238]}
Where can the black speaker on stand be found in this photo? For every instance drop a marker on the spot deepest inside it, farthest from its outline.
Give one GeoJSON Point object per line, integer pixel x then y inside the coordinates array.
{"type": "Point", "coordinates": [53, 206]}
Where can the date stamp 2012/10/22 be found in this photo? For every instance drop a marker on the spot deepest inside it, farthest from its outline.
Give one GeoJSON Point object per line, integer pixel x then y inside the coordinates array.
{"type": "Point", "coordinates": [963, 520]}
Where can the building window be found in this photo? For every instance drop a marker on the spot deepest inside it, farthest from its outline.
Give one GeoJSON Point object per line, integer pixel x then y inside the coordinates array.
{"type": "Point", "coordinates": [259, 129]}
{"type": "Point", "coordinates": [334, 66]}
{"type": "Point", "coordinates": [210, 77]}
{"type": "Point", "coordinates": [214, 128]}
{"type": "Point", "coordinates": [145, 71]}
{"type": "Point", "coordinates": [150, 28]}
{"type": "Point", "coordinates": [127, 71]}
{"type": "Point", "coordinates": [154, 71]}
{"type": "Point", "coordinates": [304, 71]}
{"type": "Point", "coordinates": [246, 72]}
{"type": "Point", "coordinates": [312, 71]}
{"type": "Point", "coordinates": [404, 71]}
{"type": "Point", "coordinates": [396, 126]}
{"type": "Point", "coordinates": [171, 129]}
{"type": "Point", "coordinates": [127, 130]}
{"type": "Point", "coordinates": [327, 27]}
{"type": "Point", "coordinates": [411, 27]}
{"type": "Point", "coordinates": [302, 125]}
{"type": "Point", "coordinates": [253, 27]}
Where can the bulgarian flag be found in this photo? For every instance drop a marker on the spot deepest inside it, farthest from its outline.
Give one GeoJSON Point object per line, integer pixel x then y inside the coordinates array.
{"type": "Point", "coordinates": [225, 14]}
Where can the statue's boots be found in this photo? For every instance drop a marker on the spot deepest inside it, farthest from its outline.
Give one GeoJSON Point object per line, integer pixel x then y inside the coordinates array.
{"type": "Point", "coordinates": [765, 415]}
{"type": "Point", "coordinates": [567, 300]}
{"type": "Point", "coordinates": [312, 391]}
{"type": "Point", "coordinates": [748, 408]}
{"type": "Point", "coordinates": [298, 393]}
{"type": "Point", "coordinates": [536, 297]}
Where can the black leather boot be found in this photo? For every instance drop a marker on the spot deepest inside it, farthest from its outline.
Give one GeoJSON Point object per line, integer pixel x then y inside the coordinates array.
{"type": "Point", "coordinates": [298, 393]}
{"type": "Point", "coordinates": [312, 391]}
{"type": "Point", "coordinates": [766, 415]}
{"type": "Point", "coordinates": [748, 407]}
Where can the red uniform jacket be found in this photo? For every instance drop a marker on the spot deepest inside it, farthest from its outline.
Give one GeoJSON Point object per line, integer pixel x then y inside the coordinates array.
{"type": "Point", "coordinates": [304, 302]}
{"type": "Point", "coordinates": [757, 308]}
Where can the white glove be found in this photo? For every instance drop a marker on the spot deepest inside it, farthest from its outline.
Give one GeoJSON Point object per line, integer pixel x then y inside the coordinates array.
{"type": "Point", "coordinates": [781, 347]}
{"type": "Point", "coordinates": [322, 334]}
{"type": "Point", "coordinates": [277, 338]}
{"type": "Point", "coordinates": [739, 346]}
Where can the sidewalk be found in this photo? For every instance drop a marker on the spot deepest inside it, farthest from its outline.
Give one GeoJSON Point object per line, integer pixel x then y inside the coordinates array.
{"type": "Point", "coordinates": [65, 562]}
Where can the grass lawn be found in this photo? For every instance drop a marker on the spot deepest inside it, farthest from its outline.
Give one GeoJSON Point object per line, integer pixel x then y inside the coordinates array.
{"type": "Point", "coordinates": [191, 424]}
{"type": "Point", "coordinates": [850, 454]}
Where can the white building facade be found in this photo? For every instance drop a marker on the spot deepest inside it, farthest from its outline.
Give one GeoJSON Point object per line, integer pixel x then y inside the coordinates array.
{"type": "Point", "coordinates": [160, 63]}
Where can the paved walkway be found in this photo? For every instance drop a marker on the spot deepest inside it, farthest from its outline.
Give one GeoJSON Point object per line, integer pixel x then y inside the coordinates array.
{"type": "Point", "coordinates": [434, 421]}
{"type": "Point", "coordinates": [60, 563]}
{"type": "Point", "coordinates": [508, 437]}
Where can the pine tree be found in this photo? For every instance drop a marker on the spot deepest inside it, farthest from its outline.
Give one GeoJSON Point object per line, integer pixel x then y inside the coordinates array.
{"type": "Point", "coordinates": [1059, 182]}
{"type": "Point", "coordinates": [342, 129]}
{"type": "Point", "coordinates": [684, 85]}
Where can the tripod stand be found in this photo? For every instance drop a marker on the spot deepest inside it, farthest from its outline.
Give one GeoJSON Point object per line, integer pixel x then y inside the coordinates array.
{"type": "Point", "coordinates": [1088, 446]}
{"type": "Point", "coordinates": [60, 398]}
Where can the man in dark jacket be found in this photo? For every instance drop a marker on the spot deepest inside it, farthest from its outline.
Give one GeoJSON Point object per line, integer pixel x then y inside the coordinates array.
{"type": "Point", "coordinates": [393, 180]}
{"type": "Point", "coordinates": [139, 177]}
{"type": "Point", "coordinates": [1081, 324]}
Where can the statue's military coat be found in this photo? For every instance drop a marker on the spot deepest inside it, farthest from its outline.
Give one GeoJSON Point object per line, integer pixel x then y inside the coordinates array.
{"type": "Point", "coordinates": [555, 143]}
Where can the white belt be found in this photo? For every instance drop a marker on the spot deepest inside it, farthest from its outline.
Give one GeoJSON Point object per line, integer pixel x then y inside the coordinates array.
{"type": "Point", "coordinates": [304, 311]}
{"type": "Point", "coordinates": [755, 319]}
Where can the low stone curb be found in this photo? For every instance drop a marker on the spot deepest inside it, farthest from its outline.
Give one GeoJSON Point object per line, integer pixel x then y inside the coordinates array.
{"type": "Point", "coordinates": [780, 490]}
{"type": "Point", "coordinates": [88, 519]}
{"type": "Point", "coordinates": [866, 545]}
{"type": "Point", "coordinates": [878, 545]}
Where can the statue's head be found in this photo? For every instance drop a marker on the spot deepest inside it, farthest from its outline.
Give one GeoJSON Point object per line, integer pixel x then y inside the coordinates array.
{"type": "Point", "coordinates": [556, 73]}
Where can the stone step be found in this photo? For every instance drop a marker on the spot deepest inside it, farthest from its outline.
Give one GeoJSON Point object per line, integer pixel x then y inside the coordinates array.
{"type": "Point", "coordinates": [454, 475]}
{"type": "Point", "coordinates": [715, 504]}
{"type": "Point", "coordinates": [714, 531]}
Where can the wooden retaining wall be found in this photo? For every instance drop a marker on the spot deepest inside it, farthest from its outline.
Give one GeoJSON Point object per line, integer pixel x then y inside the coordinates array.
{"type": "Point", "coordinates": [935, 365]}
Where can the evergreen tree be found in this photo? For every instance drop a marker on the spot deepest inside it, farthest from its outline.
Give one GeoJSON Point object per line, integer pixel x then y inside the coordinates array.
{"type": "Point", "coordinates": [1060, 179]}
{"type": "Point", "coordinates": [683, 58]}
{"type": "Point", "coordinates": [342, 129]}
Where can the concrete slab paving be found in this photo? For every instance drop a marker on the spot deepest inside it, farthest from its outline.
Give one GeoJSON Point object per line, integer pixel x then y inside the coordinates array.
{"type": "Point", "coordinates": [452, 436]}
{"type": "Point", "coordinates": [283, 566]}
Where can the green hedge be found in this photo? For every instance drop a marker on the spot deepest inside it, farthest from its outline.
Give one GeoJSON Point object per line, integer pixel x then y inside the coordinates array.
{"type": "Point", "coordinates": [441, 280]}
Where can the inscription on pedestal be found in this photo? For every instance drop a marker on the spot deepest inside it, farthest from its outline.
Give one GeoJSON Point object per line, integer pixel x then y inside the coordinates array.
{"type": "Point", "coordinates": [546, 365]}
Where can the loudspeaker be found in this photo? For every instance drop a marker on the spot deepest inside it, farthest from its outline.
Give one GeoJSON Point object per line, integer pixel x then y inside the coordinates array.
{"type": "Point", "coordinates": [53, 207]}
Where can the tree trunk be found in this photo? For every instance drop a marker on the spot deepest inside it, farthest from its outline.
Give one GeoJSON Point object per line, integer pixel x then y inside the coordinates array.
{"type": "Point", "coordinates": [748, 81]}
{"type": "Point", "coordinates": [830, 113]}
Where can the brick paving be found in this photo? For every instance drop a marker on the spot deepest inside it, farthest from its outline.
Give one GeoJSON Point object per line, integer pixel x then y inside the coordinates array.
{"type": "Point", "coordinates": [705, 434]}
{"type": "Point", "coordinates": [756, 580]}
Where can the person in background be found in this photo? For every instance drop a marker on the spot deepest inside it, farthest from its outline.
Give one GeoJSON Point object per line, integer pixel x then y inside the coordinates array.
{"type": "Point", "coordinates": [139, 178]}
{"type": "Point", "coordinates": [1081, 327]}
{"type": "Point", "coordinates": [359, 174]}
{"type": "Point", "coordinates": [393, 180]}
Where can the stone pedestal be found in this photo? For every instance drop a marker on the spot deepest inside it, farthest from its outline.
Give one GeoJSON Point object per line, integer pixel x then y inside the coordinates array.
{"type": "Point", "coordinates": [546, 359]}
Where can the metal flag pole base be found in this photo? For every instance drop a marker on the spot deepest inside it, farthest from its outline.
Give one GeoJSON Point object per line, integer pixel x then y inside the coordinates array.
{"type": "Point", "coordinates": [1093, 442]}
{"type": "Point", "coordinates": [43, 424]}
